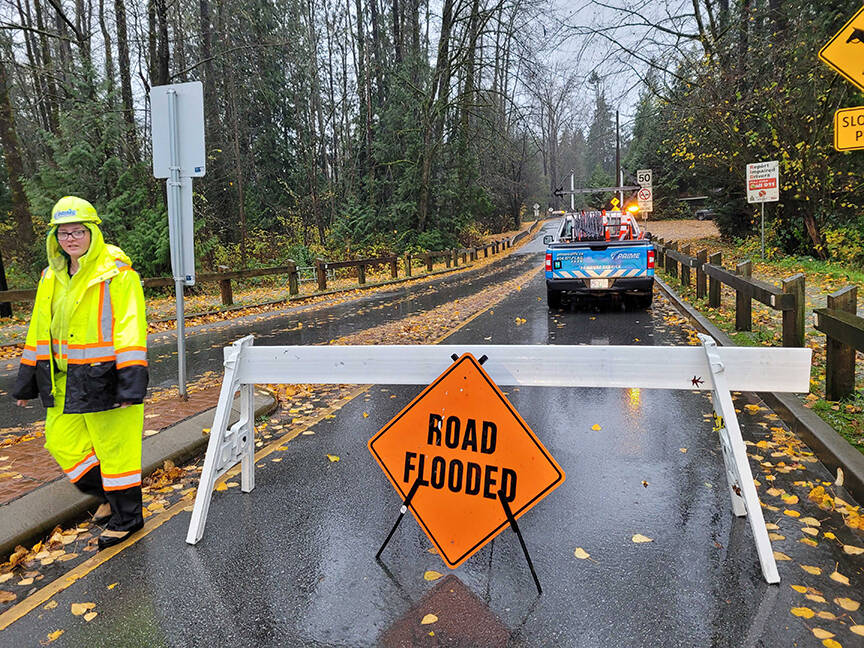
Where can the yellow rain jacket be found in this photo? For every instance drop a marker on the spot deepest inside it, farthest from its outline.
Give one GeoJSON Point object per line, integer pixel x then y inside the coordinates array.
{"type": "Point", "coordinates": [91, 326]}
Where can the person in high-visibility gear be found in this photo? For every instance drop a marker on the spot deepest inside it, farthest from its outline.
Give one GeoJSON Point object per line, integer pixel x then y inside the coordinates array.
{"type": "Point", "coordinates": [86, 358]}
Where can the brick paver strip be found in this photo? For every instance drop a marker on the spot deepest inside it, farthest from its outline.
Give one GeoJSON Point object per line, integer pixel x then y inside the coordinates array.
{"type": "Point", "coordinates": [38, 468]}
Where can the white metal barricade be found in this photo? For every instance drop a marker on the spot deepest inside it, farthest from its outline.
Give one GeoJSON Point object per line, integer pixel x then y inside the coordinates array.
{"type": "Point", "coordinates": [709, 367]}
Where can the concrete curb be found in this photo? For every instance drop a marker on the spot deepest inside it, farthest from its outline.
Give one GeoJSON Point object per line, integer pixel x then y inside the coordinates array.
{"type": "Point", "coordinates": [831, 448]}
{"type": "Point", "coordinates": [40, 510]}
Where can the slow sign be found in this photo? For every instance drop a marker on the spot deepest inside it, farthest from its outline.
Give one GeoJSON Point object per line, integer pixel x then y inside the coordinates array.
{"type": "Point", "coordinates": [849, 129]}
{"type": "Point", "coordinates": [464, 442]}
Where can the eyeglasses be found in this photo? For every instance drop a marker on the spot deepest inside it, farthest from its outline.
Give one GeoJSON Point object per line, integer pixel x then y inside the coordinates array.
{"type": "Point", "coordinates": [75, 235]}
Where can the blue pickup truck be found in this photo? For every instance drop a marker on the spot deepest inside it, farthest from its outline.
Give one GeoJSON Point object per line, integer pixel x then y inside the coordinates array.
{"type": "Point", "coordinates": [597, 254]}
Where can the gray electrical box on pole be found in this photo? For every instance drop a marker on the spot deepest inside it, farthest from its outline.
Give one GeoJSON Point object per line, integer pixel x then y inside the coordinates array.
{"type": "Point", "coordinates": [177, 131]}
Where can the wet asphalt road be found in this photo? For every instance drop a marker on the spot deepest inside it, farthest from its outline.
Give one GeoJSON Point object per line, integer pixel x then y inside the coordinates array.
{"type": "Point", "coordinates": [292, 563]}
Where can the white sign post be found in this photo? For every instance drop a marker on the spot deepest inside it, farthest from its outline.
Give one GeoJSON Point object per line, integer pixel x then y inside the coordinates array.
{"type": "Point", "coordinates": [645, 195]}
{"type": "Point", "coordinates": [763, 185]}
{"type": "Point", "coordinates": [177, 117]}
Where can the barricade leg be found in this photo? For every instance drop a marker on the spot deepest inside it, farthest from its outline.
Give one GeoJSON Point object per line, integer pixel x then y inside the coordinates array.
{"type": "Point", "coordinates": [227, 447]}
{"type": "Point", "coordinates": [745, 499]}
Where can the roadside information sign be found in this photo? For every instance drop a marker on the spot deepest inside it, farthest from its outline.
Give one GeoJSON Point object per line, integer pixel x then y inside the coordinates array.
{"type": "Point", "coordinates": [177, 136]}
{"type": "Point", "coordinates": [845, 52]}
{"type": "Point", "coordinates": [645, 178]}
{"type": "Point", "coordinates": [645, 198]}
{"type": "Point", "coordinates": [464, 441]}
{"type": "Point", "coordinates": [849, 128]}
{"type": "Point", "coordinates": [189, 111]}
{"type": "Point", "coordinates": [645, 195]}
{"type": "Point", "coordinates": [763, 182]}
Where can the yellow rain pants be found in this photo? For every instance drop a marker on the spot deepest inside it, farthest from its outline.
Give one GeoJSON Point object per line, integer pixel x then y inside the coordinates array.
{"type": "Point", "coordinates": [109, 439]}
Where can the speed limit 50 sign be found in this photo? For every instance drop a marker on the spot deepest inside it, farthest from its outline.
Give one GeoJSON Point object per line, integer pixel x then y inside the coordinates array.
{"type": "Point", "coordinates": [645, 178]}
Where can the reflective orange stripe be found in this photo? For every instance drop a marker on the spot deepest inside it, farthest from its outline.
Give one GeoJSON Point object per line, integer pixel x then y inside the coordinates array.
{"type": "Point", "coordinates": [87, 361]}
{"type": "Point", "coordinates": [141, 363]}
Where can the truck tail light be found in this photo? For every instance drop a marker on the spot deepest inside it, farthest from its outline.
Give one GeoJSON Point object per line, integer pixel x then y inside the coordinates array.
{"type": "Point", "coordinates": [549, 262]}
{"type": "Point", "coordinates": [650, 259]}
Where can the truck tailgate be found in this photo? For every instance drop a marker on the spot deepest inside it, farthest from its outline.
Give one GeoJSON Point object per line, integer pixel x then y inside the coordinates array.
{"type": "Point", "coordinates": [600, 261]}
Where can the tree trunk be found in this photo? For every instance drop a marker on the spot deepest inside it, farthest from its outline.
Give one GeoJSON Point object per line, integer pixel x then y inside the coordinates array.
{"type": "Point", "coordinates": [179, 46]}
{"type": "Point", "coordinates": [51, 97]}
{"type": "Point", "coordinates": [238, 166]}
{"type": "Point", "coordinates": [109, 57]}
{"type": "Point", "coordinates": [152, 55]}
{"type": "Point", "coordinates": [434, 112]}
{"type": "Point", "coordinates": [162, 57]}
{"type": "Point", "coordinates": [132, 153]}
{"type": "Point", "coordinates": [397, 34]}
{"type": "Point", "coordinates": [24, 234]}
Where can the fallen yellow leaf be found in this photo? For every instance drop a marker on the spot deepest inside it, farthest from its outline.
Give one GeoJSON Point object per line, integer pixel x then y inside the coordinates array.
{"type": "Point", "coordinates": [829, 535]}
{"type": "Point", "coordinates": [596, 427]}
{"type": "Point", "coordinates": [641, 538]}
{"type": "Point", "coordinates": [824, 614]}
{"type": "Point", "coordinates": [221, 487]}
{"type": "Point", "coordinates": [810, 531]}
{"type": "Point", "coordinates": [853, 551]}
{"type": "Point", "coordinates": [840, 578]}
{"type": "Point", "coordinates": [90, 616]}
{"type": "Point", "coordinates": [581, 554]}
{"type": "Point", "coordinates": [113, 585]}
{"type": "Point", "coordinates": [799, 588]}
{"type": "Point", "coordinates": [53, 636]}
{"type": "Point", "coordinates": [80, 608]}
{"type": "Point", "coordinates": [810, 521]}
{"type": "Point", "coordinates": [333, 458]}
{"type": "Point", "coordinates": [7, 597]}
{"type": "Point", "coordinates": [365, 414]}
{"type": "Point", "coordinates": [779, 555]}
{"type": "Point", "coordinates": [684, 450]}
{"type": "Point", "coordinates": [432, 575]}
{"type": "Point", "coordinates": [857, 629]}
{"type": "Point", "coordinates": [816, 598]}
{"type": "Point", "coordinates": [830, 643]}
{"type": "Point", "coordinates": [819, 633]}
{"type": "Point", "coordinates": [429, 618]}
{"type": "Point", "coordinates": [804, 612]}
{"type": "Point", "coordinates": [809, 541]}
{"type": "Point", "coordinates": [791, 513]}
{"type": "Point", "coordinates": [847, 604]}
{"type": "Point", "coordinates": [810, 569]}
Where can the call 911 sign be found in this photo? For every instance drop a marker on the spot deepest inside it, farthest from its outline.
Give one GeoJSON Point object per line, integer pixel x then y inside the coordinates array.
{"type": "Point", "coordinates": [464, 442]}
{"type": "Point", "coordinates": [763, 182]}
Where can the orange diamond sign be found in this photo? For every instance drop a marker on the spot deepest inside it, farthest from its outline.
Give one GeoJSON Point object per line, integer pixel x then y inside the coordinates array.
{"type": "Point", "coordinates": [845, 52]}
{"type": "Point", "coordinates": [465, 442]}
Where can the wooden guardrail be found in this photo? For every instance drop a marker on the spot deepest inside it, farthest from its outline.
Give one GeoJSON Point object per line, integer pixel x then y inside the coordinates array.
{"type": "Point", "coordinates": [789, 298]}
{"type": "Point", "coordinates": [844, 331]}
{"type": "Point", "coordinates": [451, 258]}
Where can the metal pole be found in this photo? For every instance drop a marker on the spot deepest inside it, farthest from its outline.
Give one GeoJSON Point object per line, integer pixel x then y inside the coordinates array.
{"type": "Point", "coordinates": [763, 231]}
{"type": "Point", "coordinates": [175, 223]}
{"type": "Point", "coordinates": [618, 179]}
{"type": "Point", "coordinates": [572, 190]}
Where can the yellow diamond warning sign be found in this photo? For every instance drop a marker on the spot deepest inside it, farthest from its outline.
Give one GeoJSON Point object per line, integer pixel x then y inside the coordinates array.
{"type": "Point", "coordinates": [464, 442]}
{"type": "Point", "coordinates": [845, 52]}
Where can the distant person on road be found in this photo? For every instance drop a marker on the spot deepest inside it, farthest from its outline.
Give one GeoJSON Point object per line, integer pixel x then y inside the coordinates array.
{"type": "Point", "coordinates": [86, 358]}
